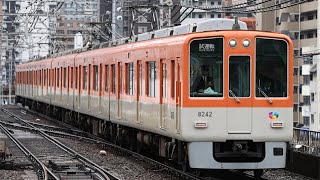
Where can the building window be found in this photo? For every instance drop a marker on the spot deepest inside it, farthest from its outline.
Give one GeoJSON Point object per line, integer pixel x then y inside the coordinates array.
{"type": "Point", "coordinates": [200, 16]}
{"type": "Point", "coordinates": [152, 79]}
{"type": "Point", "coordinates": [142, 29]}
{"type": "Point", "coordinates": [95, 77]}
{"type": "Point", "coordinates": [212, 15]}
{"type": "Point", "coordinates": [130, 78]}
{"type": "Point", "coordinates": [312, 97]}
{"type": "Point", "coordinates": [306, 100]}
{"type": "Point", "coordinates": [142, 19]}
{"type": "Point", "coordinates": [295, 89]}
{"type": "Point", "coordinates": [310, 35]}
{"type": "Point", "coordinates": [295, 107]}
{"type": "Point", "coordinates": [306, 121]}
{"type": "Point", "coordinates": [295, 71]}
{"type": "Point", "coordinates": [312, 118]}
{"type": "Point", "coordinates": [310, 17]}
{"type": "Point", "coordinates": [306, 79]}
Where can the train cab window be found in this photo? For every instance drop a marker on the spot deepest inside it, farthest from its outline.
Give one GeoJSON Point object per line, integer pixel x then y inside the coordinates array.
{"type": "Point", "coordinates": [85, 77]}
{"type": "Point", "coordinates": [271, 68]}
{"type": "Point", "coordinates": [206, 68]}
{"type": "Point", "coordinates": [151, 87]}
{"type": "Point", "coordinates": [95, 77]}
{"type": "Point", "coordinates": [130, 78]}
{"type": "Point", "coordinates": [239, 76]}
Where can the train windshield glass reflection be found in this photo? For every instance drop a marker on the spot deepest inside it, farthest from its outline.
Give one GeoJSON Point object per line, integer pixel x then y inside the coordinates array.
{"type": "Point", "coordinates": [206, 68]}
{"type": "Point", "coordinates": [271, 68]}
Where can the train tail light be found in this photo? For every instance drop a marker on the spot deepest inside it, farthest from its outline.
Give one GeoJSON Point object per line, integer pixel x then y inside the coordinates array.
{"type": "Point", "coordinates": [200, 124]}
{"type": "Point", "coordinates": [277, 124]}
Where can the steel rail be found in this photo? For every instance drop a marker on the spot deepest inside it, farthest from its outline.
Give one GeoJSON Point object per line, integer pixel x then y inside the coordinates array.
{"type": "Point", "coordinates": [42, 171]}
{"type": "Point", "coordinates": [103, 173]}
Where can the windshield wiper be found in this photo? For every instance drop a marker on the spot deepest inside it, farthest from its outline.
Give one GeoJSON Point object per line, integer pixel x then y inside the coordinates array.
{"type": "Point", "coordinates": [265, 95]}
{"type": "Point", "coordinates": [233, 95]}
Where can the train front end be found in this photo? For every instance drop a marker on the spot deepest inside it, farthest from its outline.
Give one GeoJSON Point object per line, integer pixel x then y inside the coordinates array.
{"type": "Point", "coordinates": [237, 99]}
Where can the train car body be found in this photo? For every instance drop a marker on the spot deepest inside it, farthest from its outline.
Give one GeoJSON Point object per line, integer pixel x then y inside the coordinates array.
{"type": "Point", "coordinates": [242, 120]}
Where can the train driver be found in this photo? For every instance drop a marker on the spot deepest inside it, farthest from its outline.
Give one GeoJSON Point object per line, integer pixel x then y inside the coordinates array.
{"type": "Point", "coordinates": [204, 82]}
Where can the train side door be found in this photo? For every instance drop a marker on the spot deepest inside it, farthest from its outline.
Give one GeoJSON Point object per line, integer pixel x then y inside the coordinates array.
{"type": "Point", "coordinates": [139, 90]}
{"type": "Point", "coordinates": [239, 118]}
{"type": "Point", "coordinates": [163, 94]}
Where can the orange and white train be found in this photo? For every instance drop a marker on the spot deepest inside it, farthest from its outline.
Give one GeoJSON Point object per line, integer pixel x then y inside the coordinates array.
{"type": "Point", "coordinates": [204, 95]}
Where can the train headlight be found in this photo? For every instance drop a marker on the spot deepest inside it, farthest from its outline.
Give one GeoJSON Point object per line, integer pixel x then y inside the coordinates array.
{"type": "Point", "coordinates": [246, 43]}
{"type": "Point", "coordinates": [233, 43]}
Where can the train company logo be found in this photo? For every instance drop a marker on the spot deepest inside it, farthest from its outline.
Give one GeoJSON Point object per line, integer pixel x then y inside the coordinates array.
{"type": "Point", "coordinates": [273, 115]}
{"type": "Point", "coordinates": [206, 47]}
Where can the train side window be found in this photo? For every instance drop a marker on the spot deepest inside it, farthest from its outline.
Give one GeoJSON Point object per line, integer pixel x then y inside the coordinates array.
{"type": "Point", "coordinates": [39, 79]}
{"type": "Point", "coordinates": [71, 77]}
{"type": "Point", "coordinates": [85, 77]}
{"type": "Point", "coordinates": [65, 77]}
{"type": "Point", "coordinates": [173, 81]}
{"type": "Point", "coordinates": [76, 78]}
{"type": "Point", "coordinates": [164, 80]}
{"type": "Point", "coordinates": [113, 77]}
{"type": "Point", "coordinates": [58, 76]}
{"type": "Point", "coordinates": [100, 79]}
{"type": "Point", "coordinates": [49, 77]}
{"type": "Point", "coordinates": [151, 79]}
{"type": "Point", "coordinates": [106, 71]}
{"type": "Point", "coordinates": [95, 77]}
{"type": "Point", "coordinates": [130, 78]}
{"type": "Point", "coordinates": [140, 78]}
{"type": "Point", "coordinates": [44, 77]}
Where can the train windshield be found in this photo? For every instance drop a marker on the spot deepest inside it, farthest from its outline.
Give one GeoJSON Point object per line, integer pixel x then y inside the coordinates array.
{"type": "Point", "coordinates": [271, 68]}
{"type": "Point", "coordinates": [239, 76]}
{"type": "Point", "coordinates": [206, 68]}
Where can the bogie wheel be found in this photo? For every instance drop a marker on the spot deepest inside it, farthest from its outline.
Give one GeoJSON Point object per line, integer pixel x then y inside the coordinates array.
{"type": "Point", "coordinates": [257, 173]}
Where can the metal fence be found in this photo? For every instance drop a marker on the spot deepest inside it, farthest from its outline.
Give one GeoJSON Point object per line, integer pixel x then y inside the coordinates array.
{"type": "Point", "coordinates": [306, 141]}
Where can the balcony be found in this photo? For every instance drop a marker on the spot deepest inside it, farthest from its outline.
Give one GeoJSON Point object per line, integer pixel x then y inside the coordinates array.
{"type": "Point", "coordinates": [309, 6]}
{"type": "Point", "coordinates": [292, 26]}
{"type": "Point", "coordinates": [295, 97]}
{"type": "Point", "coordinates": [295, 80]}
{"type": "Point", "coordinates": [309, 25]}
{"type": "Point", "coordinates": [297, 62]}
{"type": "Point", "coordinates": [308, 42]}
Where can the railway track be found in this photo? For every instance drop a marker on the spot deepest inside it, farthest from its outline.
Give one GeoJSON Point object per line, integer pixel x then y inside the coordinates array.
{"type": "Point", "coordinates": [50, 158]}
{"type": "Point", "coordinates": [67, 131]}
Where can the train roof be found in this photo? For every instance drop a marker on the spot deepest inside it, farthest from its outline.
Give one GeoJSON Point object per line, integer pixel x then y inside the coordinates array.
{"type": "Point", "coordinates": [203, 26]}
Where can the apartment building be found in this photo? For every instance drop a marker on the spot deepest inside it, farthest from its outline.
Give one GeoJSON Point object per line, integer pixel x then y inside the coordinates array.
{"type": "Point", "coordinates": [300, 23]}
